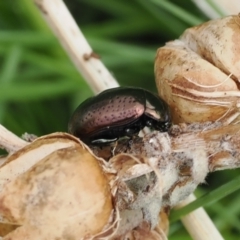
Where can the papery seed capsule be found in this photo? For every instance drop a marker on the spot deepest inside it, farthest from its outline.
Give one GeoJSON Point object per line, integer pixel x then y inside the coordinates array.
{"type": "Point", "coordinates": [118, 112]}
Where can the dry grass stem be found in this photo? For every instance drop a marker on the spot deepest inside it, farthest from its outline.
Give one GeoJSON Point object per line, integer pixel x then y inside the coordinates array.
{"type": "Point", "coordinates": [198, 223]}
{"type": "Point", "coordinates": [69, 34]}
{"type": "Point", "coordinates": [10, 141]}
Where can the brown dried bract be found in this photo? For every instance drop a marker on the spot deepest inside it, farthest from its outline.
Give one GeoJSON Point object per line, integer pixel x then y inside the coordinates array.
{"type": "Point", "coordinates": [64, 194]}
{"type": "Point", "coordinates": [199, 74]}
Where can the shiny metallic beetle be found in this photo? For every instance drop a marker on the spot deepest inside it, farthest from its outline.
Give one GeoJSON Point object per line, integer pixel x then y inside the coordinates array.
{"type": "Point", "coordinates": [118, 112]}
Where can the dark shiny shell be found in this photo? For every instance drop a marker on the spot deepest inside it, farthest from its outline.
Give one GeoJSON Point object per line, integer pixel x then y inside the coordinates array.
{"type": "Point", "coordinates": [118, 112]}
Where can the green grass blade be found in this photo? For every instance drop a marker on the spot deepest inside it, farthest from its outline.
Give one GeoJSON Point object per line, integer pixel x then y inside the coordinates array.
{"type": "Point", "coordinates": [40, 90]}
{"type": "Point", "coordinates": [207, 199]}
{"type": "Point", "coordinates": [9, 71]}
{"type": "Point", "coordinates": [182, 14]}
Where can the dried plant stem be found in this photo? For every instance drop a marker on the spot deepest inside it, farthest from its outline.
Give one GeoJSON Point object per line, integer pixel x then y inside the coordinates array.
{"type": "Point", "coordinates": [198, 223]}
{"type": "Point", "coordinates": [219, 8]}
{"type": "Point", "coordinates": [10, 141]}
{"type": "Point", "coordinates": [76, 45]}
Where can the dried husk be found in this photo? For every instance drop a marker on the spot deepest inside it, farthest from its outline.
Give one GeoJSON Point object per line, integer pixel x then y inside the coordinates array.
{"type": "Point", "coordinates": [198, 75]}
{"type": "Point", "coordinates": [63, 193]}
{"type": "Point", "coordinates": [158, 171]}
{"type": "Point", "coordinates": [138, 196]}
{"type": "Point", "coordinates": [138, 208]}
{"type": "Point", "coordinates": [22, 160]}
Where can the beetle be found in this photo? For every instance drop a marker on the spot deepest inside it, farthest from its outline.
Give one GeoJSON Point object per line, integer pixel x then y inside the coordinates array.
{"type": "Point", "coordinates": [118, 112]}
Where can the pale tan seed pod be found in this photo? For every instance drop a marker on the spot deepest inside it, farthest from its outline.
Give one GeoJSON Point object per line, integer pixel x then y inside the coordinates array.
{"type": "Point", "coordinates": [199, 74]}
{"type": "Point", "coordinates": [55, 188]}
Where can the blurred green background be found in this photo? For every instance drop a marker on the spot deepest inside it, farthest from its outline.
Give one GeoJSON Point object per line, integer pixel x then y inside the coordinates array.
{"type": "Point", "coordinates": [40, 87]}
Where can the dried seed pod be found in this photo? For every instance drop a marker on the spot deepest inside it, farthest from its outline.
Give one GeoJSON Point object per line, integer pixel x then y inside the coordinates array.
{"type": "Point", "coordinates": [23, 159]}
{"type": "Point", "coordinates": [64, 193]}
{"type": "Point", "coordinates": [217, 42]}
{"type": "Point", "coordinates": [198, 75]}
